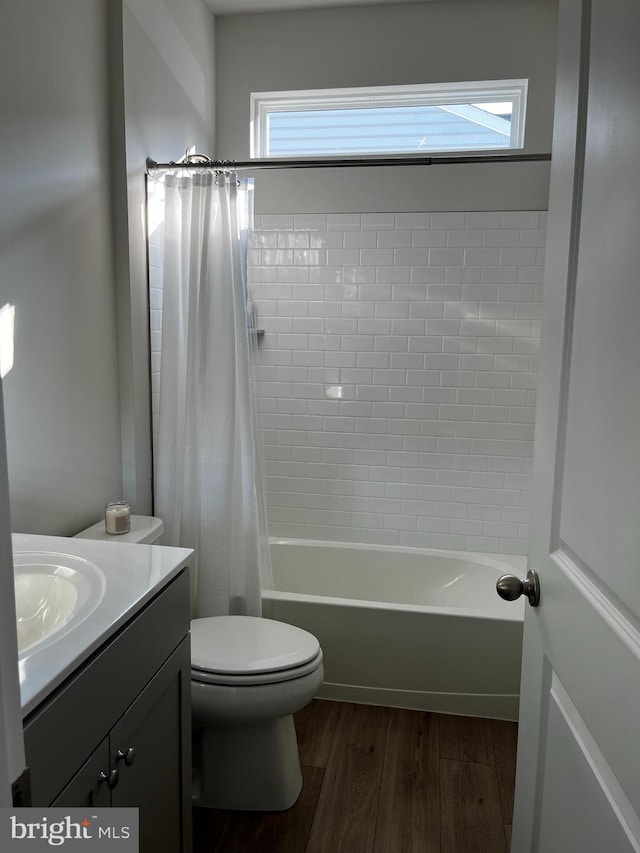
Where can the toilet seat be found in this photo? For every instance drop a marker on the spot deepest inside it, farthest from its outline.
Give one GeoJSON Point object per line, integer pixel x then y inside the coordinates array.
{"type": "Point", "coordinates": [255, 679]}
{"type": "Point", "coordinates": [248, 650]}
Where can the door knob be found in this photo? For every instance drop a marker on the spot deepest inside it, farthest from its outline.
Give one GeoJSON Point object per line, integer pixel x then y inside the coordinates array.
{"type": "Point", "coordinates": [110, 778]}
{"type": "Point", "coordinates": [510, 587]}
{"type": "Point", "coordinates": [129, 756]}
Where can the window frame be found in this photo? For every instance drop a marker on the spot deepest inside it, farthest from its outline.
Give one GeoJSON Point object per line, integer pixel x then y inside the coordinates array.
{"type": "Point", "coordinates": [262, 104]}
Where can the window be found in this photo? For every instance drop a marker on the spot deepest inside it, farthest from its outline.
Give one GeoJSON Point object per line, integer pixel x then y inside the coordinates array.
{"type": "Point", "coordinates": [383, 120]}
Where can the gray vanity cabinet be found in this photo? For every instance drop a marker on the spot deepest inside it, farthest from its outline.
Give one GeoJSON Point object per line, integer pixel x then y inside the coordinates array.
{"type": "Point", "coordinates": [118, 732]}
{"type": "Point", "coordinates": [87, 787]}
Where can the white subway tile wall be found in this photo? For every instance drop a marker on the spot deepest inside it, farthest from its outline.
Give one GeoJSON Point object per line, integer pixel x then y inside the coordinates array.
{"type": "Point", "coordinates": [397, 373]}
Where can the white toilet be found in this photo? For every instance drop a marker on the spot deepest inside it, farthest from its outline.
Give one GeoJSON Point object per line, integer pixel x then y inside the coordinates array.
{"type": "Point", "coordinates": [248, 677]}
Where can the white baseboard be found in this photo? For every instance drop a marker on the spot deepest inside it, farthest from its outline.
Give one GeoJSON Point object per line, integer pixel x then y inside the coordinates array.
{"type": "Point", "coordinates": [496, 706]}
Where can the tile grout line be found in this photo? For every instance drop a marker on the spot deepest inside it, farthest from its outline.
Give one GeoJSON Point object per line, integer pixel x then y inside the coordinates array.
{"type": "Point", "coordinates": [382, 772]}
{"type": "Point", "coordinates": [440, 791]}
{"type": "Point", "coordinates": [324, 776]}
{"type": "Point", "coordinates": [500, 795]}
{"type": "Point", "coordinates": [436, 721]}
{"type": "Point", "coordinates": [500, 792]}
{"type": "Point", "coordinates": [315, 808]}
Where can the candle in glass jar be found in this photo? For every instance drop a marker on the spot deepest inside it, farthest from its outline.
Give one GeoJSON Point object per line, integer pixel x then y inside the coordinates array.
{"type": "Point", "coordinates": [117, 518]}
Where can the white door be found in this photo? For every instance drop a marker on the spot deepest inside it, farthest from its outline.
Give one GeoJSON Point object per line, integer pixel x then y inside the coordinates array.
{"type": "Point", "coordinates": [11, 740]}
{"type": "Point", "coordinates": [578, 778]}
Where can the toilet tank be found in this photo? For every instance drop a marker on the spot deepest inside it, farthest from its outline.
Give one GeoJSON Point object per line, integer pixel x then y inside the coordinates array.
{"type": "Point", "coordinates": [145, 530]}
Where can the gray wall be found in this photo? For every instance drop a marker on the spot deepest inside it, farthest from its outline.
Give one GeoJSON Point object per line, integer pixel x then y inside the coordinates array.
{"type": "Point", "coordinates": [61, 399]}
{"type": "Point", "coordinates": [71, 171]}
{"type": "Point", "coordinates": [384, 45]}
{"type": "Point", "coordinates": [164, 104]}
{"type": "Point", "coordinates": [169, 78]}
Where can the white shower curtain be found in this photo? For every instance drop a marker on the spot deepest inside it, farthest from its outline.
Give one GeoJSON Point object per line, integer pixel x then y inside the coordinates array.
{"type": "Point", "coordinates": [208, 476]}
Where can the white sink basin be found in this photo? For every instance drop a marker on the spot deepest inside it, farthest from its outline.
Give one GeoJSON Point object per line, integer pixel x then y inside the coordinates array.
{"type": "Point", "coordinates": [54, 593]}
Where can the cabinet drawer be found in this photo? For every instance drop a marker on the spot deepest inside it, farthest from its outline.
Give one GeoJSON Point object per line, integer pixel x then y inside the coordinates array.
{"type": "Point", "coordinates": [70, 724]}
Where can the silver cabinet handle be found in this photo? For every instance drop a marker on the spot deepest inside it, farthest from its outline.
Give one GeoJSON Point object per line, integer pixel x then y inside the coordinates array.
{"type": "Point", "coordinates": [110, 778]}
{"type": "Point", "coordinates": [511, 587]}
{"type": "Point", "coordinates": [128, 756]}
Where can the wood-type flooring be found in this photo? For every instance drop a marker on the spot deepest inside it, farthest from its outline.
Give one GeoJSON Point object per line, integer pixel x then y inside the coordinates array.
{"type": "Point", "coordinates": [383, 780]}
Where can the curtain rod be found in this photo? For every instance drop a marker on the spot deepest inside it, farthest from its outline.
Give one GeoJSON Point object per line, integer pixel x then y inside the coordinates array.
{"type": "Point", "coordinates": [349, 162]}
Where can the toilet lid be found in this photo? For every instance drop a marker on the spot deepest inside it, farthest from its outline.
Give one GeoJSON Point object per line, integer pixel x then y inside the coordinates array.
{"type": "Point", "coordinates": [245, 645]}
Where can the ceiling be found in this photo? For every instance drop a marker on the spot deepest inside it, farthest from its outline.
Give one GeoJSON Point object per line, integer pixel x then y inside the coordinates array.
{"type": "Point", "coordinates": [239, 7]}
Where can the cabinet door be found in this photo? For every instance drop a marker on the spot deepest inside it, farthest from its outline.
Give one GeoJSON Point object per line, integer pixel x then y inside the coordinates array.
{"type": "Point", "coordinates": [89, 787]}
{"type": "Point", "coordinates": [151, 749]}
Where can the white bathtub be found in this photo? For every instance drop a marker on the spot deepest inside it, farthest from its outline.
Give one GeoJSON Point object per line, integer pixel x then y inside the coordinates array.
{"type": "Point", "coordinates": [404, 627]}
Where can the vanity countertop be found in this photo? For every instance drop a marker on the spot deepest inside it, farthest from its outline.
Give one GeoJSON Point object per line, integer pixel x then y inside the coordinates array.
{"type": "Point", "coordinates": [128, 577]}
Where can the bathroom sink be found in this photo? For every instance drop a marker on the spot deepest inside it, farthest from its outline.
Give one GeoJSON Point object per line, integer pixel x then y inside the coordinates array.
{"type": "Point", "coordinates": [54, 593]}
